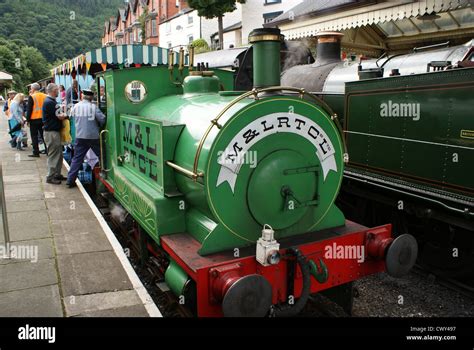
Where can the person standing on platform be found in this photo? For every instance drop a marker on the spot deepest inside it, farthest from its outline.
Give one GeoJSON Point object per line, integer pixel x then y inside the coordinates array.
{"type": "Point", "coordinates": [88, 120]}
{"type": "Point", "coordinates": [34, 117]}
{"type": "Point", "coordinates": [73, 95]}
{"type": "Point", "coordinates": [6, 106]}
{"type": "Point", "coordinates": [52, 119]}
{"type": "Point", "coordinates": [6, 110]}
{"type": "Point", "coordinates": [17, 120]}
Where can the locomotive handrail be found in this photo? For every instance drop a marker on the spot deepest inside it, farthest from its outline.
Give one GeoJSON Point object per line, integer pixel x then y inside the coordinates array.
{"type": "Point", "coordinates": [255, 93]}
{"type": "Point", "coordinates": [102, 164]}
{"type": "Point", "coordinates": [186, 172]}
{"type": "Point", "coordinates": [422, 48]}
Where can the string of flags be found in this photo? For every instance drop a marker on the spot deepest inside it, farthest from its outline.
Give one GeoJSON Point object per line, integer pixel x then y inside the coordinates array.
{"type": "Point", "coordinates": [118, 56]}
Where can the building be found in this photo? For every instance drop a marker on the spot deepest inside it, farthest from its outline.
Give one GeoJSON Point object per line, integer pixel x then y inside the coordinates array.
{"type": "Point", "coordinates": [180, 29]}
{"type": "Point", "coordinates": [232, 37]}
{"type": "Point", "coordinates": [139, 22]}
{"type": "Point", "coordinates": [375, 27]}
{"type": "Point", "coordinates": [186, 25]}
{"type": "Point", "coordinates": [256, 13]}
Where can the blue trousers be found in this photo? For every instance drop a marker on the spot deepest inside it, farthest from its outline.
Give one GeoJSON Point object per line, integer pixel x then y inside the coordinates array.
{"type": "Point", "coordinates": [81, 146]}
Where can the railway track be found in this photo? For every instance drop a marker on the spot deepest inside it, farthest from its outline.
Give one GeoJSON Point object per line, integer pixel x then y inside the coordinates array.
{"type": "Point", "coordinates": [452, 284]}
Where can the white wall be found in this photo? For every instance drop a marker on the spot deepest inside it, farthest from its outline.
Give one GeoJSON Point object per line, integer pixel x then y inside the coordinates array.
{"type": "Point", "coordinates": [178, 30]}
{"type": "Point", "coordinates": [233, 38]}
{"type": "Point", "coordinates": [210, 26]}
{"type": "Point", "coordinates": [200, 28]}
{"type": "Point", "coordinates": [253, 11]}
{"type": "Point", "coordinates": [250, 14]}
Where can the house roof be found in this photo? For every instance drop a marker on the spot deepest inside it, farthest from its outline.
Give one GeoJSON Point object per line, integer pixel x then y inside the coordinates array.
{"type": "Point", "coordinates": [180, 13]}
{"type": "Point", "coordinates": [311, 17]}
{"type": "Point", "coordinates": [123, 13]}
{"type": "Point", "coordinates": [4, 77]}
{"type": "Point", "coordinates": [231, 28]}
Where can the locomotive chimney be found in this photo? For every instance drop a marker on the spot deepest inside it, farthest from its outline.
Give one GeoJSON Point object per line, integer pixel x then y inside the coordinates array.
{"type": "Point", "coordinates": [266, 56]}
{"type": "Point", "coordinates": [328, 49]}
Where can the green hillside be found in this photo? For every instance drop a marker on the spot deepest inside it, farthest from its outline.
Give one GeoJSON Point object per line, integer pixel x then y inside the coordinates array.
{"type": "Point", "coordinates": [34, 33]}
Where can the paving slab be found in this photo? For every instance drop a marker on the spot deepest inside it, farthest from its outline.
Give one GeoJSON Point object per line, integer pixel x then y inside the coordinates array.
{"type": "Point", "coordinates": [74, 226]}
{"type": "Point", "coordinates": [81, 304]}
{"type": "Point", "coordinates": [23, 193]}
{"type": "Point", "coordinates": [90, 273]}
{"type": "Point", "coordinates": [13, 190]}
{"type": "Point", "coordinates": [61, 192]}
{"type": "Point", "coordinates": [28, 225]}
{"type": "Point", "coordinates": [21, 179]}
{"type": "Point", "coordinates": [27, 275]}
{"type": "Point", "coordinates": [69, 208]}
{"type": "Point", "coordinates": [38, 249]}
{"type": "Point", "coordinates": [40, 301]}
{"type": "Point", "coordinates": [25, 206]}
{"type": "Point", "coordinates": [82, 242]}
{"type": "Point", "coordinates": [128, 311]}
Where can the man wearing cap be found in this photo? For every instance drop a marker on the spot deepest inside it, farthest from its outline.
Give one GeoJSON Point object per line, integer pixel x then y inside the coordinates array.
{"type": "Point", "coordinates": [34, 116]}
{"type": "Point", "coordinates": [52, 119]}
{"type": "Point", "coordinates": [88, 119]}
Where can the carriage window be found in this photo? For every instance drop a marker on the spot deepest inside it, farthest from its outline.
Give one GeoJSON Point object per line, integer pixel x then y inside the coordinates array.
{"type": "Point", "coordinates": [135, 91]}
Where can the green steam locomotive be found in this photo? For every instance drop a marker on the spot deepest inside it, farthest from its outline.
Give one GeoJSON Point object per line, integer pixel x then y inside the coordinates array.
{"type": "Point", "coordinates": [234, 192]}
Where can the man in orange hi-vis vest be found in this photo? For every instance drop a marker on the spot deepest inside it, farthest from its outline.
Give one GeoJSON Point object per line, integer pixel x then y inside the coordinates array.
{"type": "Point", "coordinates": [34, 116]}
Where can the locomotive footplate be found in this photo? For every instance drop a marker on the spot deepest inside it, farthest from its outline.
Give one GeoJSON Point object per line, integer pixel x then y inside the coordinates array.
{"type": "Point", "coordinates": [345, 254]}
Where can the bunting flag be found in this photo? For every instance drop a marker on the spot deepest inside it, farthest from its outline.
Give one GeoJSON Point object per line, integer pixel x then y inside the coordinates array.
{"type": "Point", "coordinates": [119, 56]}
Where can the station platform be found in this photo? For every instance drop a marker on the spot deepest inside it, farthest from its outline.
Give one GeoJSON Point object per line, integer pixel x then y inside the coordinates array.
{"type": "Point", "coordinates": [68, 262]}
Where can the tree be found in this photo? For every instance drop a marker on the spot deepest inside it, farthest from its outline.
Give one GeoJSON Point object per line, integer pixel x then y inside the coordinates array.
{"type": "Point", "coordinates": [200, 46]}
{"type": "Point", "coordinates": [215, 8]}
{"type": "Point", "coordinates": [143, 19]}
{"type": "Point", "coordinates": [57, 28]}
{"type": "Point", "coordinates": [25, 63]}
